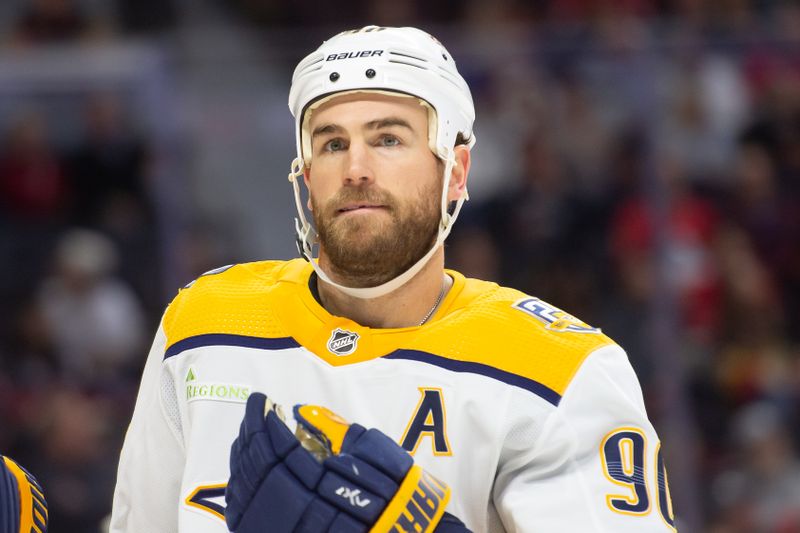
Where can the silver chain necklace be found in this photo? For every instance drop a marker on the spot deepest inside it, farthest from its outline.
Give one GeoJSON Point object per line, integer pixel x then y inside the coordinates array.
{"type": "Point", "coordinates": [436, 304]}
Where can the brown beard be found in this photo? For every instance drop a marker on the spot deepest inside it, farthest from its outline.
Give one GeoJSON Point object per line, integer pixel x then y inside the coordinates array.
{"type": "Point", "coordinates": [364, 252]}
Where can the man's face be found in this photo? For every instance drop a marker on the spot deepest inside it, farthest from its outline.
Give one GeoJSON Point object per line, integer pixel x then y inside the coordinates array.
{"type": "Point", "coordinates": [375, 186]}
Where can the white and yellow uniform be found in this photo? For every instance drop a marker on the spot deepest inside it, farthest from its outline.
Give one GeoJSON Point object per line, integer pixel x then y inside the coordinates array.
{"type": "Point", "coordinates": [535, 419]}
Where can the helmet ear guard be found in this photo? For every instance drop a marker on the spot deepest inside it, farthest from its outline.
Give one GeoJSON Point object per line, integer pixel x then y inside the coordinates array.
{"type": "Point", "coordinates": [395, 61]}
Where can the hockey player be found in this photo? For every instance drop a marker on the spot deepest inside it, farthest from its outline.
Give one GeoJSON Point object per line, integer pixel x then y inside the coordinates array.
{"type": "Point", "coordinates": [23, 508]}
{"type": "Point", "coordinates": [477, 407]}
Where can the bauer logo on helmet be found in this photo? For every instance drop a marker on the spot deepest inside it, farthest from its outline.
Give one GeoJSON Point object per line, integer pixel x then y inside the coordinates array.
{"type": "Point", "coordinates": [351, 55]}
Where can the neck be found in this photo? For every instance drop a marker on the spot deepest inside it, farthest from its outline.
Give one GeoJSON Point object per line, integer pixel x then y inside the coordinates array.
{"type": "Point", "coordinates": [404, 307]}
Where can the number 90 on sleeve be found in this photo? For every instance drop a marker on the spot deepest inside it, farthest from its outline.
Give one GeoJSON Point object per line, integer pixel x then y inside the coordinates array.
{"type": "Point", "coordinates": [623, 455]}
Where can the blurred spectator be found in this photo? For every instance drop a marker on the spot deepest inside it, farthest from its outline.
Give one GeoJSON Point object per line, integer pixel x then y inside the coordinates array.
{"type": "Point", "coordinates": [107, 170]}
{"type": "Point", "coordinates": [770, 215]}
{"type": "Point", "coordinates": [763, 493]}
{"type": "Point", "coordinates": [773, 175]}
{"type": "Point", "coordinates": [624, 311]}
{"type": "Point", "coordinates": [776, 122]}
{"type": "Point", "coordinates": [753, 359]}
{"type": "Point", "coordinates": [544, 232]}
{"type": "Point", "coordinates": [706, 108]}
{"type": "Point", "coordinates": [51, 21]}
{"type": "Point", "coordinates": [472, 252]}
{"type": "Point", "coordinates": [146, 16]}
{"type": "Point", "coordinates": [30, 357]}
{"type": "Point", "coordinates": [32, 183]}
{"type": "Point", "coordinates": [513, 102]}
{"type": "Point", "coordinates": [530, 218]}
{"type": "Point", "coordinates": [756, 202]}
{"type": "Point", "coordinates": [73, 446]}
{"type": "Point", "coordinates": [692, 225]}
{"type": "Point", "coordinates": [34, 198]}
{"type": "Point", "coordinates": [582, 136]}
{"type": "Point", "coordinates": [95, 320]}
{"type": "Point", "coordinates": [205, 245]}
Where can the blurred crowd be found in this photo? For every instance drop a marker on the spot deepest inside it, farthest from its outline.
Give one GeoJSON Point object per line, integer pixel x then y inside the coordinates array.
{"type": "Point", "coordinates": [78, 263]}
{"type": "Point", "coordinates": [629, 154]}
{"type": "Point", "coordinates": [646, 168]}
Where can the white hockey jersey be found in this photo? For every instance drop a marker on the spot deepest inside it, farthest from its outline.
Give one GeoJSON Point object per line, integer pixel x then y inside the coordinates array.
{"type": "Point", "coordinates": [535, 419]}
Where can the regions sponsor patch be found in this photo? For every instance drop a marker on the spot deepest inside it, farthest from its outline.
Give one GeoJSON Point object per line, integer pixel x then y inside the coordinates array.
{"type": "Point", "coordinates": [342, 342]}
{"type": "Point", "coordinates": [553, 318]}
{"type": "Point", "coordinates": [214, 390]}
{"type": "Point", "coordinates": [222, 392]}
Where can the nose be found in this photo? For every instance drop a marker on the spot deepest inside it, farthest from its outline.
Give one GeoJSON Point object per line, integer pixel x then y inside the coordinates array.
{"type": "Point", "coordinates": [359, 165]}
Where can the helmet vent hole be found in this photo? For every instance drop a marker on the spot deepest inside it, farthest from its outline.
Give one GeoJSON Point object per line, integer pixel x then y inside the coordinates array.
{"type": "Point", "coordinates": [370, 73]}
{"type": "Point", "coordinates": [334, 76]}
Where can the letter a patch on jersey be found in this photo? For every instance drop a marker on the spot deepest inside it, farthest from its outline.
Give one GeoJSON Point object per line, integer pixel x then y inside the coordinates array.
{"type": "Point", "coordinates": [429, 420]}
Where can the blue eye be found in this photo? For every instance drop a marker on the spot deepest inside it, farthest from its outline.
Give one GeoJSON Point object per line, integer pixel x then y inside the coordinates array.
{"type": "Point", "coordinates": [389, 140]}
{"type": "Point", "coordinates": [334, 145]}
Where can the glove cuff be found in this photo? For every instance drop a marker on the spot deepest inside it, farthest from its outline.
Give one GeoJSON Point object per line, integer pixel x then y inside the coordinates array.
{"type": "Point", "coordinates": [418, 504]}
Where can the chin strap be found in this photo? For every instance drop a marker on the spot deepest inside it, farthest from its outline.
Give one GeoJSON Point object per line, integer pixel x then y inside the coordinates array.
{"type": "Point", "coordinates": [306, 236]}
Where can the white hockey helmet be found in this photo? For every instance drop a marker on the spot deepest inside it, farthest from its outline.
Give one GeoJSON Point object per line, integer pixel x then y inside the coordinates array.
{"type": "Point", "coordinates": [407, 61]}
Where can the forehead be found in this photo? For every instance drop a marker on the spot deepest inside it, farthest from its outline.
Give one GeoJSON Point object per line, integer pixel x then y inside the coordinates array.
{"type": "Point", "coordinates": [356, 109]}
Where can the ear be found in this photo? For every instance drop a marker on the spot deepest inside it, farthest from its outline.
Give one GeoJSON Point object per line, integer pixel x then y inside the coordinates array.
{"type": "Point", "coordinates": [458, 177]}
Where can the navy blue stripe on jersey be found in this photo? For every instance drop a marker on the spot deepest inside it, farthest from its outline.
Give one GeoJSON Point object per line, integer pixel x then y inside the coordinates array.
{"type": "Point", "coordinates": [224, 339]}
{"type": "Point", "coordinates": [453, 365]}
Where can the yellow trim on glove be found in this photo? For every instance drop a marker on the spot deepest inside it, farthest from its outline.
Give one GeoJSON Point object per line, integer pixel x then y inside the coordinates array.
{"type": "Point", "coordinates": [417, 506]}
{"type": "Point", "coordinates": [333, 426]}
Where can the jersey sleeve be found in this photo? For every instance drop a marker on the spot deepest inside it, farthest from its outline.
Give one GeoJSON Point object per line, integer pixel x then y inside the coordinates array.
{"type": "Point", "coordinates": [594, 465]}
{"type": "Point", "coordinates": [147, 492]}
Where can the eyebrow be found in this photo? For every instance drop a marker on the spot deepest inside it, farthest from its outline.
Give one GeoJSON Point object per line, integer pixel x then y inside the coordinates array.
{"type": "Point", "coordinates": [388, 122]}
{"type": "Point", "coordinates": [371, 125]}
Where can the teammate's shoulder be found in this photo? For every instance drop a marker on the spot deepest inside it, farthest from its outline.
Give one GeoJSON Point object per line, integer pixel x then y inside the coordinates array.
{"type": "Point", "coordinates": [21, 499]}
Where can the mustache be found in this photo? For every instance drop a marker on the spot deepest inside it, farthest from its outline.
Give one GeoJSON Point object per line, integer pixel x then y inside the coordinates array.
{"type": "Point", "coordinates": [349, 195]}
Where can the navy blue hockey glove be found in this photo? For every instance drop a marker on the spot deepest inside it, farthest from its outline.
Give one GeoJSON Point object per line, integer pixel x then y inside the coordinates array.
{"type": "Point", "coordinates": [23, 508]}
{"type": "Point", "coordinates": [333, 477]}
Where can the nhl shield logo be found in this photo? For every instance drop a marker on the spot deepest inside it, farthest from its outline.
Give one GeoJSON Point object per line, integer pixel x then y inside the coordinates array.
{"type": "Point", "coordinates": [342, 342]}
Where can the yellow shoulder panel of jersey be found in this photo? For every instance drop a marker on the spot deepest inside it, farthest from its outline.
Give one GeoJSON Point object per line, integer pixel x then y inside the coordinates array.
{"type": "Point", "coordinates": [507, 330]}
{"type": "Point", "coordinates": [231, 300]}
{"type": "Point", "coordinates": [478, 323]}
